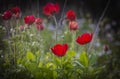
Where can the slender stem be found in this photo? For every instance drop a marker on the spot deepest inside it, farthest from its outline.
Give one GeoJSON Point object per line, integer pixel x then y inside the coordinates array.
{"type": "Point", "coordinates": [73, 40]}
{"type": "Point", "coordinates": [97, 26]}
{"type": "Point", "coordinates": [14, 53]}
{"type": "Point", "coordinates": [56, 30]}
{"type": "Point", "coordinates": [61, 66]}
{"type": "Point", "coordinates": [61, 62]}
{"type": "Point", "coordinates": [7, 27]}
{"type": "Point", "coordinates": [17, 24]}
{"type": "Point", "coordinates": [62, 14]}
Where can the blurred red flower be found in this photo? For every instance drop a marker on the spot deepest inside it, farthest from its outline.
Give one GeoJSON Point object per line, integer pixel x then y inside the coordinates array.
{"type": "Point", "coordinates": [29, 19]}
{"type": "Point", "coordinates": [51, 8]}
{"type": "Point", "coordinates": [71, 15]}
{"type": "Point", "coordinates": [38, 21]}
{"type": "Point", "coordinates": [7, 15]}
{"type": "Point", "coordinates": [39, 26]}
{"type": "Point", "coordinates": [16, 11]}
{"type": "Point", "coordinates": [17, 15]}
{"type": "Point", "coordinates": [57, 7]}
{"type": "Point", "coordinates": [73, 25]}
{"type": "Point", "coordinates": [60, 50]}
{"type": "Point", "coordinates": [106, 48]}
{"type": "Point", "coordinates": [84, 38]}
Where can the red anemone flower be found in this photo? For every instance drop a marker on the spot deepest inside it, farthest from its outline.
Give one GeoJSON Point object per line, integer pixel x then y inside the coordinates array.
{"type": "Point", "coordinates": [84, 38]}
{"type": "Point", "coordinates": [29, 19]}
{"type": "Point", "coordinates": [38, 21]}
{"type": "Point", "coordinates": [73, 25]}
{"type": "Point", "coordinates": [60, 50]}
{"type": "Point", "coordinates": [7, 15]}
{"type": "Point", "coordinates": [71, 15]}
{"type": "Point", "coordinates": [39, 26]}
{"type": "Point", "coordinates": [51, 8]}
{"type": "Point", "coordinates": [16, 11]}
{"type": "Point", "coordinates": [57, 7]}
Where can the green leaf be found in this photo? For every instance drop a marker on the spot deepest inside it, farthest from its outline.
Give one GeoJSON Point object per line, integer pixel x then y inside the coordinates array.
{"type": "Point", "coordinates": [93, 58]}
{"type": "Point", "coordinates": [30, 56]}
{"type": "Point", "coordinates": [57, 60]}
{"type": "Point", "coordinates": [71, 53]}
{"type": "Point", "coordinates": [55, 75]}
{"type": "Point", "coordinates": [19, 61]}
{"type": "Point", "coordinates": [79, 64]}
{"type": "Point", "coordinates": [38, 53]}
{"type": "Point", "coordinates": [50, 65]}
{"type": "Point", "coordinates": [40, 64]}
{"type": "Point", "coordinates": [32, 67]}
{"type": "Point", "coordinates": [84, 59]}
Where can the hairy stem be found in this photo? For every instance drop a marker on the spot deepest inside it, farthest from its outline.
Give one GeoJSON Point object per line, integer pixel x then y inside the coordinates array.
{"type": "Point", "coordinates": [62, 14]}
{"type": "Point", "coordinates": [97, 26]}
{"type": "Point", "coordinates": [56, 29]}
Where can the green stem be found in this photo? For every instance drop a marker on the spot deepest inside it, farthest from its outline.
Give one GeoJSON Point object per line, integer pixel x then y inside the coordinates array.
{"type": "Point", "coordinates": [96, 31]}
{"type": "Point", "coordinates": [14, 53]}
{"type": "Point", "coordinates": [56, 30]}
{"type": "Point", "coordinates": [61, 63]}
{"type": "Point", "coordinates": [7, 25]}
{"type": "Point", "coordinates": [17, 24]}
{"type": "Point", "coordinates": [73, 40]}
{"type": "Point", "coordinates": [61, 67]}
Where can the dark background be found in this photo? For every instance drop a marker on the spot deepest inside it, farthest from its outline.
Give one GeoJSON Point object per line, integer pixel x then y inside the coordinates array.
{"type": "Point", "coordinates": [94, 6]}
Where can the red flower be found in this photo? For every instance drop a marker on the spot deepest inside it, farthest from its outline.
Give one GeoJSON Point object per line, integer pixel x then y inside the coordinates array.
{"type": "Point", "coordinates": [17, 15]}
{"type": "Point", "coordinates": [59, 50]}
{"type": "Point", "coordinates": [16, 11]}
{"type": "Point", "coordinates": [71, 15]}
{"type": "Point", "coordinates": [84, 38]}
{"type": "Point", "coordinates": [73, 25]}
{"type": "Point", "coordinates": [57, 7]}
{"type": "Point", "coordinates": [38, 21]}
{"type": "Point", "coordinates": [29, 19]}
{"type": "Point", "coordinates": [7, 15]}
{"type": "Point", "coordinates": [39, 26]}
{"type": "Point", "coordinates": [51, 8]}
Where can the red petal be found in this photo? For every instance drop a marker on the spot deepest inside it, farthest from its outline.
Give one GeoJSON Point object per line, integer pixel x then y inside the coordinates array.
{"type": "Point", "coordinates": [85, 38]}
{"type": "Point", "coordinates": [7, 15]}
{"type": "Point", "coordinates": [57, 7]}
{"type": "Point", "coordinates": [71, 15]}
{"type": "Point", "coordinates": [15, 10]}
{"type": "Point", "coordinates": [29, 19]}
{"type": "Point", "coordinates": [60, 50]}
{"type": "Point", "coordinates": [65, 47]}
